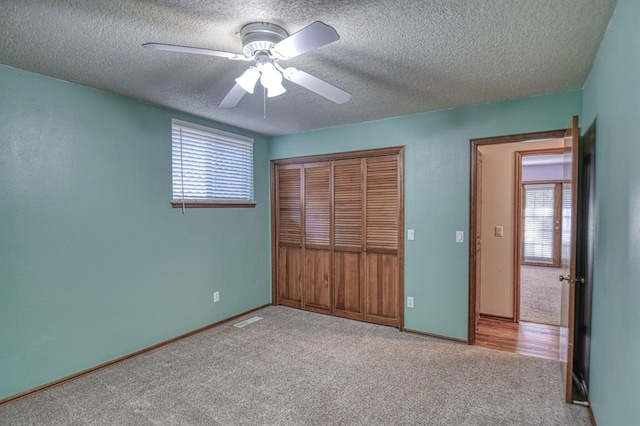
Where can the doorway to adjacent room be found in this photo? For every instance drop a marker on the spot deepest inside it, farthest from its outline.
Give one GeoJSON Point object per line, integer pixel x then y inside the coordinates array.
{"type": "Point", "coordinates": [544, 212]}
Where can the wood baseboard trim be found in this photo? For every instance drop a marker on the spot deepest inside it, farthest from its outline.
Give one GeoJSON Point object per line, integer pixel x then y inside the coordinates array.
{"type": "Point", "coordinates": [123, 358]}
{"type": "Point", "coordinates": [591, 416]}
{"type": "Point", "coordinates": [496, 317]}
{"type": "Point", "coordinates": [437, 336]}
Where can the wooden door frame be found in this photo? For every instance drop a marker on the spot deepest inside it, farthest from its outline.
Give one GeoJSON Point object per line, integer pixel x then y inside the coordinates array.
{"type": "Point", "coordinates": [572, 142]}
{"type": "Point", "coordinates": [478, 236]}
{"type": "Point", "coordinates": [518, 224]}
{"type": "Point", "coordinates": [473, 146]}
{"type": "Point", "coordinates": [376, 152]}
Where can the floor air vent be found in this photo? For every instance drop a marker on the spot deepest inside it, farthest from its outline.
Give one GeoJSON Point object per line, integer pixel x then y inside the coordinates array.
{"type": "Point", "coordinates": [246, 322]}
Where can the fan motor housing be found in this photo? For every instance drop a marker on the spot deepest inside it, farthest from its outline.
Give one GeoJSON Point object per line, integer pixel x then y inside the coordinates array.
{"type": "Point", "coordinates": [260, 37]}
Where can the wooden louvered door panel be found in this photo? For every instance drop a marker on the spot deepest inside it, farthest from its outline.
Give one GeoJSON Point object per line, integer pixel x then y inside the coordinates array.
{"type": "Point", "coordinates": [289, 235]}
{"type": "Point", "coordinates": [316, 289]}
{"type": "Point", "coordinates": [348, 264]}
{"type": "Point", "coordinates": [382, 239]}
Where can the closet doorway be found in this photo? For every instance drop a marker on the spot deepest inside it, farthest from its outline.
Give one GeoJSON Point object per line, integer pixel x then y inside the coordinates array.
{"type": "Point", "coordinates": [337, 234]}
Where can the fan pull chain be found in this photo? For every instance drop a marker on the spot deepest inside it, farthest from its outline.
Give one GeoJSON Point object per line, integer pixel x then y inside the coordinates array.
{"type": "Point", "coordinates": [264, 102]}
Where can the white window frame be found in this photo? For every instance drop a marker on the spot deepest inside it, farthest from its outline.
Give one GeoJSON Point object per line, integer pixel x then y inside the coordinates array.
{"type": "Point", "coordinates": [177, 168]}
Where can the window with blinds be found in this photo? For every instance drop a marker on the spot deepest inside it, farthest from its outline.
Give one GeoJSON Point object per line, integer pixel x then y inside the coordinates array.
{"type": "Point", "coordinates": [539, 217]}
{"type": "Point", "coordinates": [566, 222]}
{"type": "Point", "coordinates": [210, 167]}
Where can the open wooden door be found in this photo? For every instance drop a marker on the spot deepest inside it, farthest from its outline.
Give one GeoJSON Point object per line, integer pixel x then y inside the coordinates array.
{"type": "Point", "coordinates": [569, 281]}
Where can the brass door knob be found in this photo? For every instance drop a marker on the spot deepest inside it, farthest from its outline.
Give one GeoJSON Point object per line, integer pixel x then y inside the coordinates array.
{"type": "Point", "coordinates": [571, 280]}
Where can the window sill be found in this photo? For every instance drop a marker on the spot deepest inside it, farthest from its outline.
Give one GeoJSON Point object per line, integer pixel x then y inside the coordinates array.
{"type": "Point", "coordinates": [197, 204]}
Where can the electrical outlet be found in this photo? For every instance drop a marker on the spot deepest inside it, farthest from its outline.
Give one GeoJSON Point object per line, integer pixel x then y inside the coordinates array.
{"type": "Point", "coordinates": [409, 302]}
{"type": "Point", "coordinates": [216, 296]}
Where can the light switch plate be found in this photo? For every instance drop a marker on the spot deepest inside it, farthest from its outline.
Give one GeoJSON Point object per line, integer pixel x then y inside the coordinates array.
{"type": "Point", "coordinates": [459, 236]}
{"type": "Point", "coordinates": [499, 231]}
{"type": "Point", "coordinates": [409, 302]}
{"type": "Point", "coordinates": [410, 234]}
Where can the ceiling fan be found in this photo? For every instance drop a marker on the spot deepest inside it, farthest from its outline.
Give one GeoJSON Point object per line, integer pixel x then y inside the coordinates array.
{"type": "Point", "coordinates": [267, 44]}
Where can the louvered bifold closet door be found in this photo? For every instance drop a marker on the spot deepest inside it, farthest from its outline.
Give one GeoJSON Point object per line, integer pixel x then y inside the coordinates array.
{"type": "Point", "coordinates": [348, 261]}
{"type": "Point", "coordinates": [382, 223]}
{"type": "Point", "coordinates": [316, 287]}
{"type": "Point", "coordinates": [289, 235]}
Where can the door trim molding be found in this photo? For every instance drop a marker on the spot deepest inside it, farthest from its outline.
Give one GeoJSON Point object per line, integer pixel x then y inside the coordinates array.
{"type": "Point", "coordinates": [473, 146]}
{"type": "Point", "coordinates": [376, 152]}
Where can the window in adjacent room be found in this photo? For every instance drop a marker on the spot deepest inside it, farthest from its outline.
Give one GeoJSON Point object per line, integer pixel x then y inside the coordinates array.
{"type": "Point", "coordinates": [210, 168]}
{"type": "Point", "coordinates": [542, 223]}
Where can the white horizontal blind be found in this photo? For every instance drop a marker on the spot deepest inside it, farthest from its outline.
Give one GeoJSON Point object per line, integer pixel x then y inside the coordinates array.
{"type": "Point", "coordinates": [538, 222]}
{"type": "Point", "coordinates": [566, 222]}
{"type": "Point", "coordinates": [210, 165]}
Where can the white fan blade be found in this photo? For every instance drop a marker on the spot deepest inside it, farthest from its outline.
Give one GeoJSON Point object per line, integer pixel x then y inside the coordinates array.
{"type": "Point", "coordinates": [233, 97]}
{"type": "Point", "coordinates": [316, 85]}
{"type": "Point", "coordinates": [309, 38]}
{"type": "Point", "coordinates": [196, 50]}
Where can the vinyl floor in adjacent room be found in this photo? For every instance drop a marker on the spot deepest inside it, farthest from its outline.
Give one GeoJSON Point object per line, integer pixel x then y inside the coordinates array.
{"type": "Point", "coordinates": [299, 368]}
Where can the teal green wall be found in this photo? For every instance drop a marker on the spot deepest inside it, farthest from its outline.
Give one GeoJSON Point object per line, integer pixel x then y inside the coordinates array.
{"type": "Point", "coordinates": [612, 99]}
{"type": "Point", "coordinates": [94, 263]}
{"type": "Point", "coordinates": [437, 189]}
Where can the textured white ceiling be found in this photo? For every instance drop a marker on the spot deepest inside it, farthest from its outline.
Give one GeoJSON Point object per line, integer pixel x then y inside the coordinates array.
{"type": "Point", "coordinates": [395, 57]}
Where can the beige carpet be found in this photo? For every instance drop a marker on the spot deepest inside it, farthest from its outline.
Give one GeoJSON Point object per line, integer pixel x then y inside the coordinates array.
{"type": "Point", "coordinates": [299, 368]}
{"type": "Point", "coordinates": [540, 294]}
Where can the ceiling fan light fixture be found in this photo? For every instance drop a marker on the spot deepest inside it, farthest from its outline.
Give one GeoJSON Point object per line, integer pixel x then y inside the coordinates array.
{"type": "Point", "coordinates": [265, 44]}
{"type": "Point", "coordinates": [271, 79]}
{"type": "Point", "coordinates": [249, 79]}
{"type": "Point", "coordinates": [275, 90]}
{"type": "Point", "coordinates": [260, 37]}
